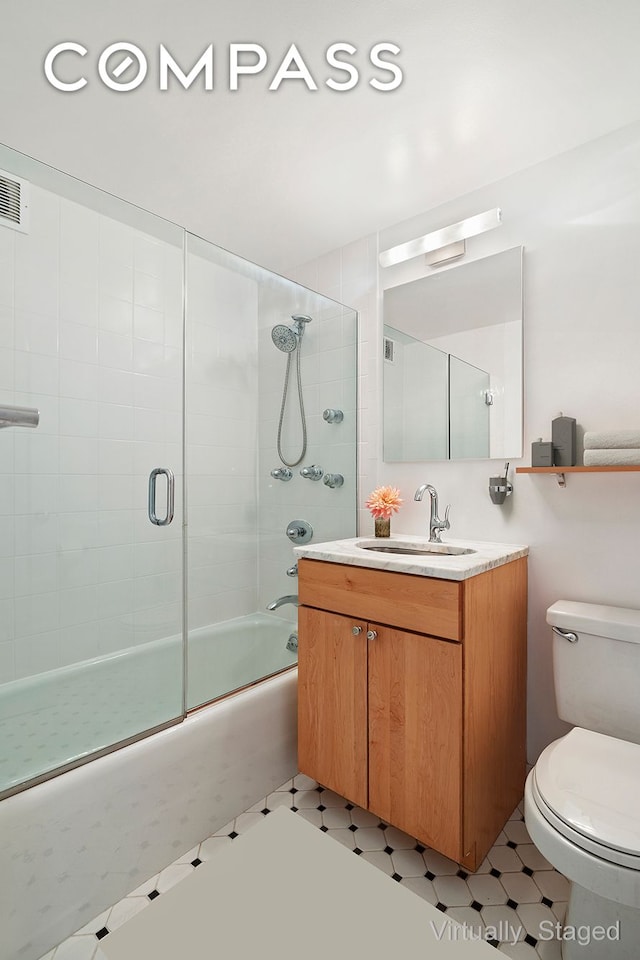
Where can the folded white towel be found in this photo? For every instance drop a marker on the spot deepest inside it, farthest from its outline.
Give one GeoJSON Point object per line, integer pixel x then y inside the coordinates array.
{"type": "Point", "coordinates": [612, 458]}
{"type": "Point", "coordinates": [611, 439]}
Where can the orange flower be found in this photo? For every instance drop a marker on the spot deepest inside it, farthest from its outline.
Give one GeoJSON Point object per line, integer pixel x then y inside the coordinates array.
{"type": "Point", "coordinates": [384, 502]}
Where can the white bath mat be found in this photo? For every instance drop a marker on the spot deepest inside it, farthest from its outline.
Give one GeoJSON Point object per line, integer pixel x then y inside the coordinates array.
{"type": "Point", "coordinates": [285, 888]}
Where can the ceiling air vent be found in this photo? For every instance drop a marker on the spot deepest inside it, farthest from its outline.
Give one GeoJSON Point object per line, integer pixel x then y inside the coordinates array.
{"type": "Point", "coordinates": [389, 345]}
{"type": "Point", "coordinates": [14, 202]}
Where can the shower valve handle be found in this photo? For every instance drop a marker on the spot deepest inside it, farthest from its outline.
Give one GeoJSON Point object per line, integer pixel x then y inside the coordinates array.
{"type": "Point", "coordinates": [333, 416]}
{"type": "Point", "coordinates": [299, 531]}
{"type": "Point", "coordinates": [282, 473]}
{"type": "Point", "coordinates": [312, 473]}
{"type": "Point", "coordinates": [333, 480]}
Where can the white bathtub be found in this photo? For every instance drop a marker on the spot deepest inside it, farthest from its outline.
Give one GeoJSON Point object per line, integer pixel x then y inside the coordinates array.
{"type": "Point", "coordinates": [79, 842]}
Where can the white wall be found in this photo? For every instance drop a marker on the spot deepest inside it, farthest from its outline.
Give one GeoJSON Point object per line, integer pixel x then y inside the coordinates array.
{"type": "Point", "coordinates": [91, 334]}
{"type": "Point", "coordinates": [578, 217]}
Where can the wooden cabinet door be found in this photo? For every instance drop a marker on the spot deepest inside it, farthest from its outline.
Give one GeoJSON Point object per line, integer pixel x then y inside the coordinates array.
{"type": "Point", "coordinates": [415, 736]}
{"type": "Point", "coordinates": [332, 702]}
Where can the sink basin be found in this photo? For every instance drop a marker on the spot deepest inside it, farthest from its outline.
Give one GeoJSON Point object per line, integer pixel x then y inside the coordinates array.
{"type": "Point", "coordinates": [414, 549]}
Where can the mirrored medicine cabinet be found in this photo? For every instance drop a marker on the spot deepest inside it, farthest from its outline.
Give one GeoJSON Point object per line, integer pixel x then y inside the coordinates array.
{"type": "Point", "coordinates": [452, 382]}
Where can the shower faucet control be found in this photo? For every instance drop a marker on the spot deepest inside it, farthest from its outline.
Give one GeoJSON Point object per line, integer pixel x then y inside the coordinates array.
{"type": "Point", "coordinates": [282, 473]}
{"type": "Point", "coordinates": [333, 416]}
{"type": "Point", "coordinates": [299, 531]}
{"type": "Point", "coordinates": [293, 571]}
{"type": "Point", "coordinates": [333, 480]}
{"type": "Point", "coordinates": [312, 473]}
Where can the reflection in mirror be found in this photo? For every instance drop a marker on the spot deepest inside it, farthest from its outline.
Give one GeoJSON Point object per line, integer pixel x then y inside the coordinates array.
{"type": "Point", "coordinates": [453, 363]}
{"type": "Point", "coordinates": [415, 381]}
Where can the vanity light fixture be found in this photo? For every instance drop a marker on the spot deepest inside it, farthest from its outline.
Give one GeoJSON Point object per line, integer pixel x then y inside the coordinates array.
{"type": "Point", "coordinates": [452, 236]}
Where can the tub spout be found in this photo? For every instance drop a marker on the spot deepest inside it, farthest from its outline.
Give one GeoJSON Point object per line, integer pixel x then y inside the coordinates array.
{"type": "Point", "coordinates": [280, 602]}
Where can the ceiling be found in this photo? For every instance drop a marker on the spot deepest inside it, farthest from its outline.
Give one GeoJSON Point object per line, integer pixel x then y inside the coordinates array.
{"type": "Point", "coordinates": [283, 176]}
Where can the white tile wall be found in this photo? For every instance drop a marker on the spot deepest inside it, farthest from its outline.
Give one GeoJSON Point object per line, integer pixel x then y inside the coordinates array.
{"type": "Point", "coordinates": [328, 360]}
{"type": "Point", "coordinates": [90, 333]}
{"type": "Point", "coordinates": [221, 428]}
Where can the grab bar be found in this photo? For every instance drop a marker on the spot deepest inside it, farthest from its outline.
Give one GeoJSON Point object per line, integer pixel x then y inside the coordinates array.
{"type": "Point", "coordinates": [19, 417]}
{"type": "Point", "coordinates": [153, 476]}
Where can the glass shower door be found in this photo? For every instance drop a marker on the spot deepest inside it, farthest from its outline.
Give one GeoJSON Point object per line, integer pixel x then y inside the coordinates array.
{"type": "Point", "coordinates": [91, 603]}
{"type": "Point", "coordinates": [468, 410]}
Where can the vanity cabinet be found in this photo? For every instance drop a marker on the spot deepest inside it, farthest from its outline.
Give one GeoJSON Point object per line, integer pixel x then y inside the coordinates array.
{"type": "Point", "coordinates": [411, 697]}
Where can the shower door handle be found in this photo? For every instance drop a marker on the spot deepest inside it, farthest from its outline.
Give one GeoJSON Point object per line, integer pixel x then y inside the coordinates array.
{"type": "Point", "coordinates": [153, 476]}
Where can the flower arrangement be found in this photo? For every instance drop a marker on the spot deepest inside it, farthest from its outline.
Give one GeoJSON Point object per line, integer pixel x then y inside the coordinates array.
{"type": "Point", "coordinates": [383, 502]}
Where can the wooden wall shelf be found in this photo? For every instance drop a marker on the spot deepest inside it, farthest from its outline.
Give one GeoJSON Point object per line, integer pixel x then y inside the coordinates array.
{"type": "Point", "coordinates": [559, 472]}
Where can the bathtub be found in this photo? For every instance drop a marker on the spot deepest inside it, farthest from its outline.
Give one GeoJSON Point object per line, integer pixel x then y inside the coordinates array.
{"type": "Point", "coordinates": [75, 844]}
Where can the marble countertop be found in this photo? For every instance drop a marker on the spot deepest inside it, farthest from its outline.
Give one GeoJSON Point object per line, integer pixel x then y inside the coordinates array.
{"type": "Point", "coordinates": [485, 556]}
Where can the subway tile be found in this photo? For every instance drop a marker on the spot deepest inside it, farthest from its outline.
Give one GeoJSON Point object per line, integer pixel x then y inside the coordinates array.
{"type": "Point", "coordinates": [148, 358]}
{"type": "Point", "coordinates": [7, 661]}
{"type": "Point", "coordinates": [78, 605]}
{"type": "Point", "coordinates": [115, 316]}
{"type": "Point", "coordinates": [36, 494]}
{"type": "Point", "coordinates": [115, 598]}
{"type": "Point", "coordinates": [77, 493]}
{"type": "Point", "coordinates": [77, 568]}
{"type": "Point", "coordinates": [114, 350]}
{"type": "Point", "coordinates": [37, 613]}
{"type": "Point", "coordinates": [148, 324]}
{"type": "Point", "coordinates": [79, 642]}
{"type": "Point", "coordinates": [148, 291]}
{"type": "Point", "coordinates": [115, 279]}
{"type": "Point", "coordinates": [36, 333]}
{"type": "Point", "coordinates": [149, 256]}
{"type": "Point", "coordinates": [35, 534]}
{"type": "Point", "coordinates": [78, 303]}
{"type": "Point", "coordinates": [77, 530]}
{"type": "Point", "coordinates": [115, 527]}
{"type": "Point", "coordinates": [116, 421]}
{"type": "Point", "coordinates": [115, 241]}
{"type": "Point", "coordinates": [78, 342]}
{"type": "Point", "coordinates": [78, 418]}
{"type": "Point", "coordinates": [6, 621]}
{"type": "Point", "coordinates": [78, 455]}
{"type": "Point", "coordinates": [36, 373]}
{"type": "Point", "coordinates": [78, 380]}
{"type": "Point", "coordinates": [37, 654]}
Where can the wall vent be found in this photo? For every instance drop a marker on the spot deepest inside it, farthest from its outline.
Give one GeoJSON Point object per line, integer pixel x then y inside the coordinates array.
{"type": "Point", "coordinates": [14, 202]}
{"type": "Point", "coordinates": [389, 346]}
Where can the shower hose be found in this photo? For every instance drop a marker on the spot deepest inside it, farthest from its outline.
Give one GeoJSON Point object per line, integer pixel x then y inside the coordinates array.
{"type": "Point", "coordinates": [303, 421]}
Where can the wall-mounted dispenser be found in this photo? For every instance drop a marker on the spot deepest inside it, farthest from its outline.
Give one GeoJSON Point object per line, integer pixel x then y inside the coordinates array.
{"type": "Point", "coordinates": [499, 487]}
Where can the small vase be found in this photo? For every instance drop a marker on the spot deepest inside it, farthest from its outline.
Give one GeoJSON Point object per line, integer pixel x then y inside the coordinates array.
{"type": "Point", "coordinates": [382, 526]}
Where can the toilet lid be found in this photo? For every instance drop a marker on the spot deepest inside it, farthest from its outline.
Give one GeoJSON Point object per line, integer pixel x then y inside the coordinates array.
{"type": "Point", "coordinates": [592, 783]}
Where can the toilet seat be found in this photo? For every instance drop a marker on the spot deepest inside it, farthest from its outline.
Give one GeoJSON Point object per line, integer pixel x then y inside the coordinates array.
{"type": "Point", "coordinates": [587, 786]}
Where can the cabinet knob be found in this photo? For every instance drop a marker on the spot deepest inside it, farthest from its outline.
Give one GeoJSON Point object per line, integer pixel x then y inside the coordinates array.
{"type": "Point", "coordinates": [371, 634]}
{"type": "Point", "coordinates": [356, 630]}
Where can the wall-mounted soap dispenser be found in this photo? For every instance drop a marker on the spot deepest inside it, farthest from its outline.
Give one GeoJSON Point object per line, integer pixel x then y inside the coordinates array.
{"type": "Point", "coordinates": [499, 487]}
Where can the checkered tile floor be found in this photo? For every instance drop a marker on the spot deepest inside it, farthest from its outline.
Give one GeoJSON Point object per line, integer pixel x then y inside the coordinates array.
{"type": "Point", "coordinates": [512, 892]}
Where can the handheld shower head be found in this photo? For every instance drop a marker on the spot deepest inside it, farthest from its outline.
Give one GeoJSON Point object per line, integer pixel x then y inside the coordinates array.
{"type": "Point", "coordinates": [284, 338]}
{"type": "Point", "coordinates": [299, 322]}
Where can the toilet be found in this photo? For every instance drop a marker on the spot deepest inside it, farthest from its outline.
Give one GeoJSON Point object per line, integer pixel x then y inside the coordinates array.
{"type": "Point", "coordinates": [582, 798]}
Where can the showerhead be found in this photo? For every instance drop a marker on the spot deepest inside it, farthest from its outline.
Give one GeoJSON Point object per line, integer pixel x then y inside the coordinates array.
{"type": "Point", "coordinates": [284, 338]}
{"type": "Point", "coordinates": [287, 338]}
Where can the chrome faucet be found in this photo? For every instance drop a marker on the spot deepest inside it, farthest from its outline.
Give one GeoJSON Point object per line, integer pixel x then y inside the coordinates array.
{"type": "Point", "coordinates": [280, 602]}
{"type": "Point", "coordinates": [436, 526]}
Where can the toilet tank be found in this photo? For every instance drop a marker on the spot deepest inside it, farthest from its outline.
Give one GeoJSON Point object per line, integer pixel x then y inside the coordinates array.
{"type": "Point", "coordinates": [597, 678]}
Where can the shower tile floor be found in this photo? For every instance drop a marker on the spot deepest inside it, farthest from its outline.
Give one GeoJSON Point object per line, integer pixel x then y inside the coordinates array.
{"type": "Point", "coordinates": [514, 890]}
